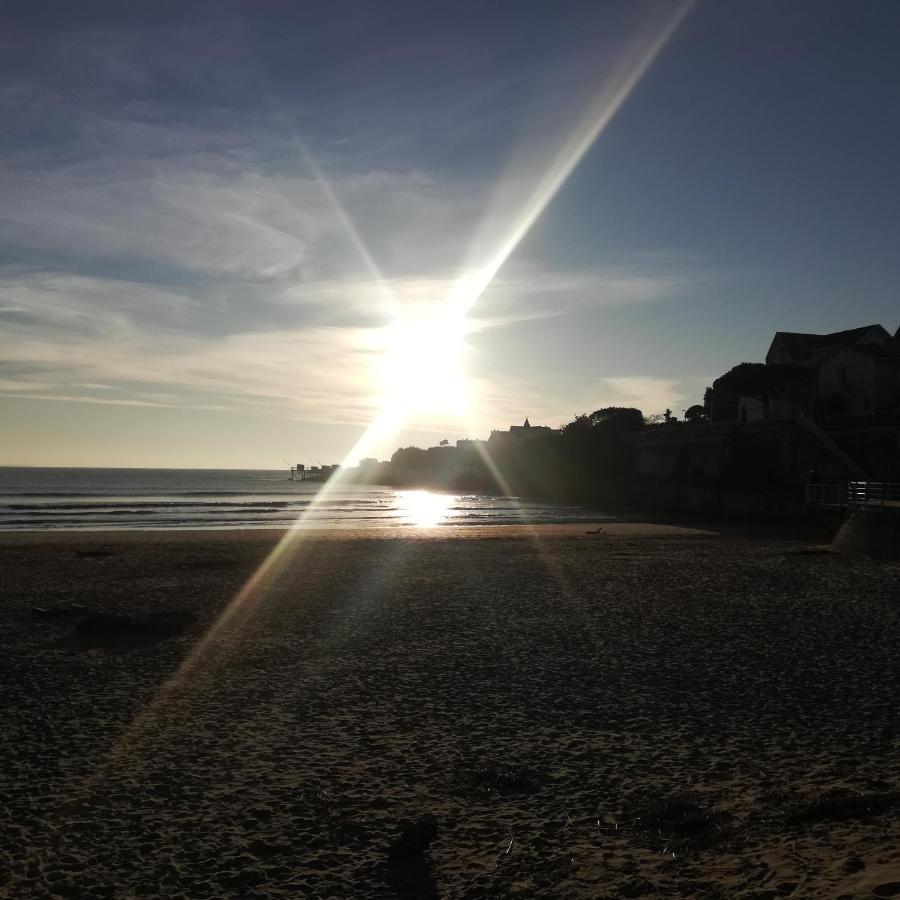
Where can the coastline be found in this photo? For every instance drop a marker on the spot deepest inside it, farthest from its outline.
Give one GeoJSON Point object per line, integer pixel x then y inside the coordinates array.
{"type": "Point", "coordinates": [640, 710]}
{"type": "Point", "coordinates": [619, 528]}
{"type": "Point", "coordinates": [620, 523]}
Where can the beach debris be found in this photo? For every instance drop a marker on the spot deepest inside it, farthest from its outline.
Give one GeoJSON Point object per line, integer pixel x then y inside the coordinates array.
{"type": "Point", "coordinates": [117, 631]}
{"type": "Point", "coordinates": [677, 824]}
{"type": "Point", "coordinates": [499, 778]}
{"type": "Point", "coordinates": [59, 610]}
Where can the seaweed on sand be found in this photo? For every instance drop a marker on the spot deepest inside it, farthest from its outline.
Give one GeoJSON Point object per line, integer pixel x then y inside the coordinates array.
{"type": "Point", "coordinates": [677, 824]}
{"type": "Point", "coordinates": [497, 779]}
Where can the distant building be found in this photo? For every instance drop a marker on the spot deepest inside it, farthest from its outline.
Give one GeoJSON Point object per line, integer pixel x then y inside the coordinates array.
{"type": "Point", "coordinates": [524, 432]}
{"type": "Point", "coordinates": [860, 379]}
{"type": "Point", "coordinates": [853, 372]}
{"type": "Point", "coordinates": [848, 372]}
{"type": "Point", "coordinates": [795, 348]}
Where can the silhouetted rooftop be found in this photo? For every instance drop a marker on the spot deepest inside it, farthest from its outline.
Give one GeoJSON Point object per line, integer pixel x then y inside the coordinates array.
{"type": "Point", "coordinates": [801, 346]}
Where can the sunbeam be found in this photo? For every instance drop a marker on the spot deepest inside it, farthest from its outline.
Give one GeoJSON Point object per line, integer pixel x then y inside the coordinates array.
{"type": "Point", "coordinates": [417, 347]}
{"type": "Point", "coordinates": [347, 224]}
{"type": "Point", "coordinates": [599, 112]}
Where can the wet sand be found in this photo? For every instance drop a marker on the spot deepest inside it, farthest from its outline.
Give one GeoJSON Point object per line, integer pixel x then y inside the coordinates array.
{"type": "Point", "coordinates": [639, 711]}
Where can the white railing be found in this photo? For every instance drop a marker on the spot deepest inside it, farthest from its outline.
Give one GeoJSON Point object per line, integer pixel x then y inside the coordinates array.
{"type": "Point", "coordinates": [873, 493]}
{"type": "Point", "coordinates": [854, 494]}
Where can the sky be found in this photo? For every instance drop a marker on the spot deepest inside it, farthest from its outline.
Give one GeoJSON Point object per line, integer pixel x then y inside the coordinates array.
{"type": "Point", "coordinates": [214, 215]}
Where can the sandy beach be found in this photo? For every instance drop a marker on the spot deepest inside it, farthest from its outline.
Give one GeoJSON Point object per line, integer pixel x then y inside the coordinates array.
{"type": "Point", "coordinates": [629, 711]}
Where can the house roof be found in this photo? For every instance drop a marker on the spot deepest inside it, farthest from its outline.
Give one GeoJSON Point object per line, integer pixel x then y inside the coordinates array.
{"type": "Point", "coordinates": [802, 346]}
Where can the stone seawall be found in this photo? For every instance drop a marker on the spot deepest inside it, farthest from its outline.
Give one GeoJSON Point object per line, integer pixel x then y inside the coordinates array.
{"type": "Point", "coordinates": [870, 532]}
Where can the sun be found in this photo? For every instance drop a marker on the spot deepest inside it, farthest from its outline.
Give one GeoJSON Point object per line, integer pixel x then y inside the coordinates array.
{"type": "Point", "coordinates": [423, 365]}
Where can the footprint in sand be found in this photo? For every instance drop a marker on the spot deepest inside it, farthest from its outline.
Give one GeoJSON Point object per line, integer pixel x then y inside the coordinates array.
{"type": "Point", "coordinates": [889, 889]}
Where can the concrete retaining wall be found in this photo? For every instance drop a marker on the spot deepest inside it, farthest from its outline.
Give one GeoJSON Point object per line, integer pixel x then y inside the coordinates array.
{"type": "Point", "coordinates": [870, 532]}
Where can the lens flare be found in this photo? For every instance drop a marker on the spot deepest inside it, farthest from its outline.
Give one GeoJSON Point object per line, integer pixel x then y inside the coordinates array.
{"type": "Point", "coordinates": [424, 357]}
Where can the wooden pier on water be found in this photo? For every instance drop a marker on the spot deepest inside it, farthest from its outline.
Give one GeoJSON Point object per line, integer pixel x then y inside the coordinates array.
{"type": "Point", "coordinates": [301, 472]}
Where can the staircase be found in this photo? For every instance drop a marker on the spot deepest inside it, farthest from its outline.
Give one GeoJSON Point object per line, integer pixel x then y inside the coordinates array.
{"type": "Point", "coordinates": [855, 469]}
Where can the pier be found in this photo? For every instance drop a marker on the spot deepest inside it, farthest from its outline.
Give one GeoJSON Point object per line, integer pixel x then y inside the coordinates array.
{"type": "Point", "coordinates": [300, 472]}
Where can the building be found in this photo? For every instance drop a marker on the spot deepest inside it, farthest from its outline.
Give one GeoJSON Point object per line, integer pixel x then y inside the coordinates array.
{"type": "Point", "coordinates": [859, 379]}
{"type": "Point", "coordinates": [850, 372]}
{"type": "Point", "coordinates": [795, 348]}
{"type": "Point", "coordinates": [524, 432]}
{"type": "Point", "coordinates": [853, 372]}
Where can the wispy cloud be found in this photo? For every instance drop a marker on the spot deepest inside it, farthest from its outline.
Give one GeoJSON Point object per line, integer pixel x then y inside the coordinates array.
{"type": "Point", "coordinates": [647, 394]}
{"type": "Point", "coordinates": [77, 336]}
{"type": "Point", "coordinates": [163, 241]}
{"type": "Point", "coordinates": [505, 400]}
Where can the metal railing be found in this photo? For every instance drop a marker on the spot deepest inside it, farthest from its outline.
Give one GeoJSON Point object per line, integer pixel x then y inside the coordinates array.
{"type": "Point", "coordinates": [827, 495]}
{"type": "Point", "coordinates": [873, 493]}
{"type": "Point", "coordinates": [854, 494]}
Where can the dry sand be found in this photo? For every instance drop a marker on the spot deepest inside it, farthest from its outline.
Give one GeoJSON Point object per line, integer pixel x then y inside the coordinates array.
{"type": "Point", "coordinates": [639, 712]}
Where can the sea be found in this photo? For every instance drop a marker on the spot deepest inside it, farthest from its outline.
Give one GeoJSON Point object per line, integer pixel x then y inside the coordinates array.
{"type": "Point", "coordinates": [70, 498]}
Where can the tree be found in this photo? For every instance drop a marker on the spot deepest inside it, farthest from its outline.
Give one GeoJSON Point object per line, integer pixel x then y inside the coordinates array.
{"type": "Point", "coordinates": [614, 419]}
{"type": "Point", "coordinates": [761, 380]}
{"type": "Point", "coordinates": [695, 414]}
{"type": "Point", "coordinates": [597, 452]}
{"type": "Point", "coordinates": [409, 464]}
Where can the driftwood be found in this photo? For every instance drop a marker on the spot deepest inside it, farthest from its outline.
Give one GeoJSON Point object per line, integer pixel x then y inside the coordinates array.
{"type": "Point", "coordinates": [60, 610]}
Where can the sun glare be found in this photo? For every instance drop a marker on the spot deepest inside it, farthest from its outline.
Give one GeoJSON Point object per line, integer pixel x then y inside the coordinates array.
{"type": "Point", "coordinates": [423, 366]}
{"type": "Point", "coordinates": [423, 508]}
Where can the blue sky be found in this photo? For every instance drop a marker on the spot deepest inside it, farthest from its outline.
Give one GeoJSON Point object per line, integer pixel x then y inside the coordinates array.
{"type": "Point", "coordinates": [196, 199]}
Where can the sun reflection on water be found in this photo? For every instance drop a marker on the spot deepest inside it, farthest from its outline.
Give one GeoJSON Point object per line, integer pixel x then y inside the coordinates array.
{"type": "Point", "coordinates": [423, 508]}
